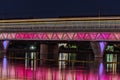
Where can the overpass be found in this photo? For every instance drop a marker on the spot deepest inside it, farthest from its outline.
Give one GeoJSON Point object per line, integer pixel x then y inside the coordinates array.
{"type": "Point", "coordinates": [90, 29]}
{"type": "Point", "coordinates": [98, 30]}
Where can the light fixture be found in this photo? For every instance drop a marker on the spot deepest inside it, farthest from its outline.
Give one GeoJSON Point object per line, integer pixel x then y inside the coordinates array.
{"type": "Point", "coordinates": [32, 47]}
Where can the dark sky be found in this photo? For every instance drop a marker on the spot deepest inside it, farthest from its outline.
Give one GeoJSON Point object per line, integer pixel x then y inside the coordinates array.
{"type": "Point", "coordinates": [57, 8]}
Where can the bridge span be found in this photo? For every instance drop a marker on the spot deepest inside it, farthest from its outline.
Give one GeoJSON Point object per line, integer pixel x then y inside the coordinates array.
{"type": "Point", "coordinates": [85, 28]}
{"type": "Point", "coordinates": [97, 30]}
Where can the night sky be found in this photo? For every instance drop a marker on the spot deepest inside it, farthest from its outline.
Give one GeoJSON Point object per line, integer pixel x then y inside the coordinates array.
{"type": "Point", "coordinates": [10, 9]}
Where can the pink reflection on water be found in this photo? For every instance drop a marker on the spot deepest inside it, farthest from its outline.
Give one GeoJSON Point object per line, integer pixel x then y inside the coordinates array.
{"type": "Point", "coordinates": [43, 73]}
{"type": "Point", "coordinates": [4, 67]}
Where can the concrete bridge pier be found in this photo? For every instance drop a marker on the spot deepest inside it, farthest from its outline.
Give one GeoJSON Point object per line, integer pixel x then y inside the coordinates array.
{"type": "Point", "coordinates": [48, 53]}
{"type": "Point", "coordinates": [98, 49]}
{"type": "Point", "coordinates": [43, 53]}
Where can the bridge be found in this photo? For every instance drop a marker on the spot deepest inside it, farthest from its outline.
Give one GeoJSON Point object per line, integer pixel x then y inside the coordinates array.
{"type": "Point", "coordinates": [88, 29]}
{"type": "Point", "coordinates": [97, 30]}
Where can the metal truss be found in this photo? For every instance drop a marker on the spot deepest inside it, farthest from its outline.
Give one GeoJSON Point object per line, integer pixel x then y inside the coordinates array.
{"type": "Point", "coordinates": [60, 36]}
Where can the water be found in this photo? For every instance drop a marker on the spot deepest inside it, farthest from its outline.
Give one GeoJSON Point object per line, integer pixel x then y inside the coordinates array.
{"type": "Point", "coordinates": [31, 69]}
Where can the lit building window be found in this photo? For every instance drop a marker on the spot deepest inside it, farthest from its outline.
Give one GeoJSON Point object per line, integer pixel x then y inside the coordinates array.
{"type": "Point", "coordinates": [110, 48]}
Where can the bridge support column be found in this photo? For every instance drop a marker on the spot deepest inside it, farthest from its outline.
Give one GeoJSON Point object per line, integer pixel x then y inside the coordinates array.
{"type": "Point", "coordinates": [54, 50]}
{"type": "Point", "coordinates": [48, 51]}
{"type": "Point", "coordinates": [4, 45]}
{"type": "Point", "coordinates": [53, 53]}
{"type": "Point", "coordinates": [43, 53]}
{"type": "Point", "coordinates": [98, 49]}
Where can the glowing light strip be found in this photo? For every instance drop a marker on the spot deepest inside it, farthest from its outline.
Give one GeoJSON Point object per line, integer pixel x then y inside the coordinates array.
{"type": "Point", "coordinates": [87, 36]}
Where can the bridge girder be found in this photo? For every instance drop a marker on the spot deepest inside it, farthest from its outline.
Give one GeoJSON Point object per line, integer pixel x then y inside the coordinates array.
{"type": "Point", "coordinates": [72, 29]}
{"type": "Point", "coordinates": [61, 36]}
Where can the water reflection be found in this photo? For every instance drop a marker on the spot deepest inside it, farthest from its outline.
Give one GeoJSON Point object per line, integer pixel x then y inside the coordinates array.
{"type": "Point", "coordinates": [112, 66]}
{"type": "Point", "coordinates": [27, 69]}
{"type": "Point", "coordinates": [4, 68]}
{"type": "Point", "coordinates": [47, 73]}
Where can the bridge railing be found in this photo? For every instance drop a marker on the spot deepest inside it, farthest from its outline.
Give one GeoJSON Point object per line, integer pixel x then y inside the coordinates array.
{"type": "Point", "coordinates": [109, 25]}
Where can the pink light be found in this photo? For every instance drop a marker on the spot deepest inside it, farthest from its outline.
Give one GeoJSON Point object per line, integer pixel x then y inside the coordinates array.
{"type": "Point", "coordinates": [99, 37]}
{"type": "Point", "coordinates": [21, 71]}
{"type": "Point", "coordinates": [106, 35]}
{"type": "Point", "coordinates": [35, 36]}
{"type": "Point", "coordinates": [5, 65]}
{"type": "Point", "coordinates": [19, 36]}
{"type": "Point", "coordinates": [29, 73]}
{"type": "Point", "coordinates": [45, 36]}
{"type": "Point", "coordinates": [60, 35]}
{"type": "Point", "coordinates": [76, 37]}
{"type": "Point", "coordinates": [93, 35]}
{"type": "Point", "coordinates": [117, 35]}
{"type": "Point", "coordinates": [55, 37]}
{"type": "Point", "coordinates": [11, 35]}
{"type": "Point", "coordinates": [69, 76]}
{"type": "Point", "coordinates": [81, 35]}
{"type": "Point", "coordinates": [70, 35]}
{"type": "Point", "coordinates": [89, 36]}
{"type": "Point", "coordinates": [40, 35]}
{"type": "Point", "coordinates": [66, 37]}
{"type": "Point", "coordinates": [12, 74]}
{"type": "Point", "coordinates": [29, 35]}
{"type": "Point", "coordinates": [112, 37]}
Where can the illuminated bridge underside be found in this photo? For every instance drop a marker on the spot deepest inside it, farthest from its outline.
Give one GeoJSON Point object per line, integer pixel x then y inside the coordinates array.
{"type": "Point", "coordinates": [71, 36]}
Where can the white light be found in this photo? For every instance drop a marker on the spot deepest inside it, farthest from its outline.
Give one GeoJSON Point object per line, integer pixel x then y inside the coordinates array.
{"type": "Point", "coordinates": [32, 47]}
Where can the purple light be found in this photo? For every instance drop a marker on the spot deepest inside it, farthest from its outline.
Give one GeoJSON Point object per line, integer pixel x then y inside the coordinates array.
{"type": "Point", "coordinates": [4, 65]}
{"type": "Point", "coordinates": [102, 46]}
{"type": "Point", "coordinates": [101, 68]}
{"type": "Point", "coordinates": [5, 44]}
{"type": "Point", "coordinates": [4, 62]}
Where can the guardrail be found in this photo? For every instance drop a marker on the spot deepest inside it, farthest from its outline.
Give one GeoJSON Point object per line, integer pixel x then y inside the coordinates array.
{"type": "Point", "coordinates": [63, 26]}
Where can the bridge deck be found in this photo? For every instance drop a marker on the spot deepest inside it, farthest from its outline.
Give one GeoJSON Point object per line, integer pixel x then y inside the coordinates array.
{"type": "Point", "coordinates": [84, 24]}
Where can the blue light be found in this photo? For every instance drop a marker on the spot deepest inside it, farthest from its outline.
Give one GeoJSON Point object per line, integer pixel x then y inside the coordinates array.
{"type": "Point", "coordinates": [5, 44]}
{"type": "Point", "coordinates": [4, 65]}
{"type": "Point", "coordinates": [4, 62]}
{"type": "Point", "coordinates": [101, 68]}
{"type": "Point", "coordinates": [102, 46]}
